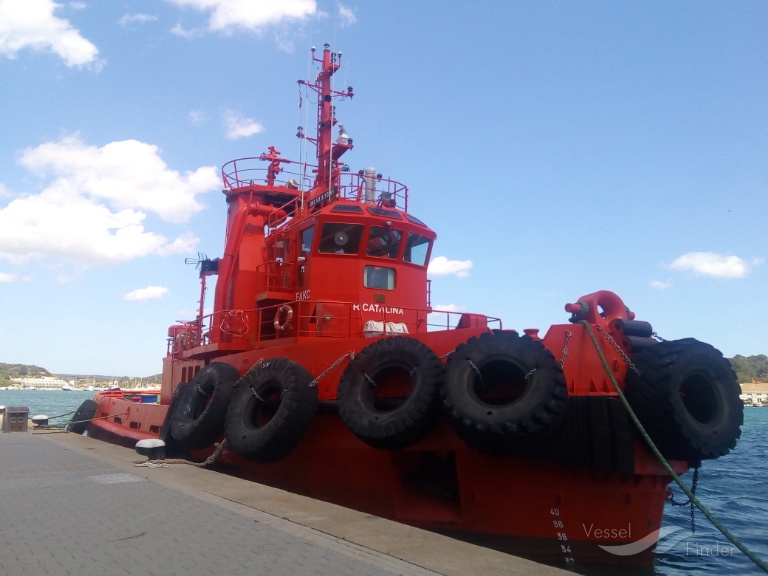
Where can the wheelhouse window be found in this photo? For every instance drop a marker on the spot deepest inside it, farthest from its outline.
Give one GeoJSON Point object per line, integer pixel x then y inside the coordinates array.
{"type": "Point", "coordinates": [347, 208]}
{"type": "Point", "coordinates": [282, 250]}
{"type": "Point", "coordinates": [339, 238]}
{"type": "Point", "coordinates": [384, 242]}
{"type": "Point", "coordinates": [417, 249]}
{"type": "Point", "coordinates": [384, 212]}
{"type": "Point", "coordinates": [379, 277]}
{"type": "Point", "coordinates": [306, 240]}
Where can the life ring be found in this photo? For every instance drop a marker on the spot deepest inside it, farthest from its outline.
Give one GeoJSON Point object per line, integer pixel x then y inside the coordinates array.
{"type": "Point", "coordinates": [185, 339]}
{"type": "Point", "coordinates": [271, 411]}
{"type": "Point", "coordinates": [199, 419]}
{"type": "Point", "coordinates": [686, 396]}
{"type": "Point", "coordinates": [235, 322]}
{"type": "Point", "coordinates": [82, 417]}
{"type": "Point", "coordinates": [389, 395]}
{"type": "Point", "coordinates": [285, 325]}
{"type": "Point", "coordinates": [503, 388]}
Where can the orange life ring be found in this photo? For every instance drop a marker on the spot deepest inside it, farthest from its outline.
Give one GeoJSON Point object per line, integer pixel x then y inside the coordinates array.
{"type": "Point", "coordinates": [286, 324]}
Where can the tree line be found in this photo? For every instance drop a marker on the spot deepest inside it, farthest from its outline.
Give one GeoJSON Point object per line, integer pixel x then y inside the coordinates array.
{"type": "Point", "coordinates": [749, 368]}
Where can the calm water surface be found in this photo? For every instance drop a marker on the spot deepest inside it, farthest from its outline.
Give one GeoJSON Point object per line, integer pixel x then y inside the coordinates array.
{"type": "Point", "coordinates": [49, 402]}
{"type": "Point", "coordinates": [733, 488]}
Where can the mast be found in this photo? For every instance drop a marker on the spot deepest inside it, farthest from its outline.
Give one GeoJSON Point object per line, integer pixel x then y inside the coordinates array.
{"type": "Point", "coordinates": [328, 152]}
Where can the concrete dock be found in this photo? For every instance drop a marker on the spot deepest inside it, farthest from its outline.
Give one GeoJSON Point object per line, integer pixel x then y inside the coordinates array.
{"type": "Point", "coordinates": [73, 505]}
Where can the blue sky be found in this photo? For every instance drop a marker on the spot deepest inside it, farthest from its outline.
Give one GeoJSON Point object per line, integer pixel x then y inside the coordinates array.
{"type": "Point", "coordinates": [557, 148]}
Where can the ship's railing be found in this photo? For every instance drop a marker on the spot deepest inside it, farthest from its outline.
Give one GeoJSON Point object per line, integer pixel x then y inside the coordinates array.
{"type": "Point", "coordinates": [278, 276]}
{"type": "Point", "coordinates": [243, 172]}
{"type": "Point", "coordinates": [380, 192]}
{"type": "Point", "coordinates": [184, 336]}
{"type": "Point", "coordinates": [315, 318]}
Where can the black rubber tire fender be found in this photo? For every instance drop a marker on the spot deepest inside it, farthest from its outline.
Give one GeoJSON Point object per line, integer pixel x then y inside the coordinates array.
{"type": "Point", "coordinates": [686, 396]}
{"type": "Point", "coordinates": [199, 419]}
{"type": "Point", "coordinates": [393, 364]}
{"type": "Point", "coordinates": [82, 417]}
{"type": "Point", "coordinates": [502, 388]}
{"type": "Point", "coordinates": [272, 409]}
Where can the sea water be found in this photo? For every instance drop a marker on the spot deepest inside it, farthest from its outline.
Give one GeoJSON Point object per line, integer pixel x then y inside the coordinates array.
{"type": "Point", "coordinates": [734, 489]}
{"type": "Point", "coordinates": [52, 403]}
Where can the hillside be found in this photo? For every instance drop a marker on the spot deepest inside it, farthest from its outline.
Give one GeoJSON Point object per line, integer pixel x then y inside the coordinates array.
{"type": "Point", "coordinates": [8, 371]}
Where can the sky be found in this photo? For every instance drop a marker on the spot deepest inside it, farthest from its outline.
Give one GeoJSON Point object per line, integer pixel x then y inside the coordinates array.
{"type": "Point", "coordinates": [557, 149]}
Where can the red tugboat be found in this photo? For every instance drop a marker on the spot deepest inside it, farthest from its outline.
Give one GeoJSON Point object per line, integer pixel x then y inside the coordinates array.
{"type": "Point", "coordinates": [329, 374]}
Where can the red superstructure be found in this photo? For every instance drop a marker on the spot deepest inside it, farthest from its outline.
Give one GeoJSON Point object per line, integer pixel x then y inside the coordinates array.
{"type": "Point", "coordinates": [328, 373]}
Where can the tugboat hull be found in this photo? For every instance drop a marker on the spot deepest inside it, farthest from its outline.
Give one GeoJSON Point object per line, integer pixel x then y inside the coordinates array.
{"type": "Point", "coordinates": [542, 509]}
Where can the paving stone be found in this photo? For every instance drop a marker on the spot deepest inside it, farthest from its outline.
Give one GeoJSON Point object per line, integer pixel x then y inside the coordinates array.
{"type": "Point", "coordinates": [63, 512]}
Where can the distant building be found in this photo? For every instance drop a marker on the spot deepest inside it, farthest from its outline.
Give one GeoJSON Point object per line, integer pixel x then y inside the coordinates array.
{"type": "Point", "coordinates": [41, 383]}
{"type": "Point", "coordinates": [754, 393]}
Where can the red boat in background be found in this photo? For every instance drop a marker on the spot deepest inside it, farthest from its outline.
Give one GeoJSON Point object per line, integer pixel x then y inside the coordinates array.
{"type": "Point", "coordinates": [329, 374]}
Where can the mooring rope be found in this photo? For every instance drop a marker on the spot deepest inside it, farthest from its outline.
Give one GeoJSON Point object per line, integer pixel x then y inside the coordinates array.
{"type": "Point", "coordinates": [162, 463]}
{"type": "Point", "coordinates": [68, 422]}
{"type": "Point", "coordinates": [725, 532]}
{"type": "Point", "coordinates": [97, 418]}
{"type": "Point", "coordinates": [61, 415]}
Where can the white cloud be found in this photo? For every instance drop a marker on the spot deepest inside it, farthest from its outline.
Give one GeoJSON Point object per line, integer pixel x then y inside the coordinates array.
{"type": "Point", "coordinates": [447, 308]}
{"type": "Point", "coordinates": [189, 34]}
{"type": "Point", "coordinates": [7, 278]}
{"type": "Point", "coordinates": [660, 285]}
{"type": "Point", "coordinates": [441, 266]}
{"type": "Point", "coordinates": [237, 126]}
{"type": "Point", "coordinates": [144, 294]}
{"type": "Point", "coordinates": [346, 15]}
{"type": "Point", "coordinates": [197, 117]}
{"type": "Point", "coordinates": [92, 210]}
{"type": "Point", "coordinates": [128, 19]}
{"type": "Point", "coordinates": [32, 24]}
{"type": "Point", "coordinates": [714, 265]}
{"type": "Point", "coordinates": [128, 174]}
{"type": "Point", "coordinates": [184, 244]}
{"type": "Point", "coordinates": [248, 14]}
{"type": "Point", "coordinates": [73, 229]}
